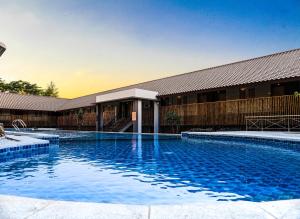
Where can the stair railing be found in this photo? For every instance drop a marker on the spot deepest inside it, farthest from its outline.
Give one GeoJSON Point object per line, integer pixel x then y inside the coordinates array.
{"type": "Point", "coordinates": [20, 122]}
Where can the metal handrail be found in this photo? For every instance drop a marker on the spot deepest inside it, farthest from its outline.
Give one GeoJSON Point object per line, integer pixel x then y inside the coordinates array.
{"type": "Point", "coordinates": [2, 132]}
{"type": "Point", "coordinates": [15, 124]}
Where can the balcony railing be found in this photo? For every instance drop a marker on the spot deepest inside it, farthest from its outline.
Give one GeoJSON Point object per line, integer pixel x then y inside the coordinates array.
{"type": "Point", "coordinates": [279, 122]}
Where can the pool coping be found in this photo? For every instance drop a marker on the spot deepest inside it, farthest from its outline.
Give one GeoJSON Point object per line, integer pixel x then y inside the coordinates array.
{"type": "Point", "coordinates": [22, 207]}
{"type": "Point", "coordinates": [53, 139]}
{"type": "Point", "coordinates": [250, 135]}
{"type": "Point", "coordinates": [20, 141]}
{"type": "Point", "coordinates": [18, 146]}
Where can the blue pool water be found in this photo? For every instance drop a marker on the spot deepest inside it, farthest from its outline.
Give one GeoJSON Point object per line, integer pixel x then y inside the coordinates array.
{"type": "Point", "coordinates": [147, 169]}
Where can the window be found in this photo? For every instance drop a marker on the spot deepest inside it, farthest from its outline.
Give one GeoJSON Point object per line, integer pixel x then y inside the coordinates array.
{"type": "Point", "coordinates": [251, 92]}
{"type": "Point", "coordinates": [178, 100]}
{"type": "Point", "coordinates": [222, 95]}
{"type": "Point", "coordinates": [211, 96]}
{"type": "Point", "coordinates": [243, 93]}
{"type": "Point", "coordinates": [185, 100]}
{"type": "Point", "coordinates": [165, 101]}
{"type": "Point", "coordinates": [201, 97]}
{"type": "Point", "coordinates": [287, 88]}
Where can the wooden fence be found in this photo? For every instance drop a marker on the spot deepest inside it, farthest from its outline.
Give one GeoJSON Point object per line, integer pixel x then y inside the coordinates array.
{"type": "Point", "coordinates": [70, 121]}
{"type": "Point", "coordinates": [233, 112]}
{"type": "Point", "coordinates": [221, 113]}
{"type": "Point", "coordinates": [32, 119]}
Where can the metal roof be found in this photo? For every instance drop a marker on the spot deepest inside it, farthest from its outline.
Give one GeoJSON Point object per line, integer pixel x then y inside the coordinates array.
{"type": "Point", "coordinates": [277, 66]}
{"type": "Point", "coordinates": [30, 102]}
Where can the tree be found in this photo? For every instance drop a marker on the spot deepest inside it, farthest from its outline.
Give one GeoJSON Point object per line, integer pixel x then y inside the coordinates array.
{"type": "Point", "coordinates": [22, 87]}
{"type": "Point", "coordinates": [2, 85]}
{"type": "Point", "coordinates": [79, 117]}
{"type": "Point", "coordinates": [25, 87]}
{"type": "Point", "coordinates": [173, 120]}
{"type": "Point", "coordinates": [51, 90]}
{"type": "Point", "coordinates": [33, 89]}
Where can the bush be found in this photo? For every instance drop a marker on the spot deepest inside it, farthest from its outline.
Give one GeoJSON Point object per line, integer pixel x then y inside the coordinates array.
{"type": "Point", "coordinates": [173, 120]}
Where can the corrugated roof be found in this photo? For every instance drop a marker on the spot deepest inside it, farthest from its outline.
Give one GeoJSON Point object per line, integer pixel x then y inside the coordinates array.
{"type": "Point", "coordinates": [30, 102]}
{"type": "Point", "coordinates": [267, 68]}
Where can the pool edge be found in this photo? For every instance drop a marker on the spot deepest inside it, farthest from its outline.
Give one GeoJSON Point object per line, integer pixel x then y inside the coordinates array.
{"type": "Point", "coordinates": [21, 207]}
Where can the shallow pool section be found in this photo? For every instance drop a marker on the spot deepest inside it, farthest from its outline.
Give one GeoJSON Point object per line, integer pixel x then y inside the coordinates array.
{"type": "Point", "coordinates": [155, 169]}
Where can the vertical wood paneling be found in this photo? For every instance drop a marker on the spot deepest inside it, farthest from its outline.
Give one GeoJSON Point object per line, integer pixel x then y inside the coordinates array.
{"type": "Point", "coordinates": [233, 112]}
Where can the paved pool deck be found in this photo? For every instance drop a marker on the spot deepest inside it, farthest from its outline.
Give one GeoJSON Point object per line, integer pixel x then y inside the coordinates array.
{"type": "Point", "coordinates": [53, 139]}
{"type": "Point", "coordinates": [12, 207]}
{"type": "Point", "coordinates": [18, 141]}
{"type": "Point", "coordinates": [285, 136]}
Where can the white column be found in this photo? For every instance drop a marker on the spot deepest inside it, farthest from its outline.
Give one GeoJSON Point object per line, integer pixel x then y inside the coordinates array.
{"type": "Point", "coordinates": [99, 117]}
{"type": "Point", "coordinates": [156, 117]}
{"type": "Point", "coordinates": [116, 113]}
{"type": "Point", "coordinates": [101, 121]}
{"type": "Point", "coordinates": [139, 116]}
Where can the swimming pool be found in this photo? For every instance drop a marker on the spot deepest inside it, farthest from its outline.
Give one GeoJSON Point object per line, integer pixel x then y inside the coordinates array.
{"type": "Point", "coordinates": [154, 169]}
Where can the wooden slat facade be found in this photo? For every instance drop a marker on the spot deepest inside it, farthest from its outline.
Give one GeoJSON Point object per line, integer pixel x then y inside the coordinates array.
{"type": "Point", "coordinates": [231, 113]}
{"type": "Point", "coordinates": [31, 118]}
{"type": "Point", "coordinates": [70, 121]}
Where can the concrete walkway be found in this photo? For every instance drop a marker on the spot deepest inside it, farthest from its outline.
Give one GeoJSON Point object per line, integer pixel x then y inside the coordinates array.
{"type": "Point", "coordinates": [18, 141]}
{"type": "Point", "coordinates": [12, 207]}
{"type": "Point", "coordinates": [289, 136]}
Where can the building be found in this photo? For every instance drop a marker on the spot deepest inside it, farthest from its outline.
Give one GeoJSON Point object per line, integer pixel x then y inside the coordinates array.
{"type": "Point", "coordinates": [216, 97]}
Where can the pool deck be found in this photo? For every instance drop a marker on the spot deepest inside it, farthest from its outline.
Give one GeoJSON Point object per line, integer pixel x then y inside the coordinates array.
{"type": "Point", "coordinates": [54, 139]}
{"type": "Point", "coordinates": [18, 141]}
{"type": "Point", "coordinates": [20, 207]}
{"type": "Point", "coordinates": [285, 136]}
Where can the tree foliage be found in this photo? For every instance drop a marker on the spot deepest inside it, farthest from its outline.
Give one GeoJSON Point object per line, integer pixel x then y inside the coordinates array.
{"type": "Point", "coordinates": [173, 120]}
{"type": "Point", "coordinates": [51, 90]}
{"type": "Point", "coordinates": [25, 87]}
{"type": "Point", "coordinates": [79, 116]}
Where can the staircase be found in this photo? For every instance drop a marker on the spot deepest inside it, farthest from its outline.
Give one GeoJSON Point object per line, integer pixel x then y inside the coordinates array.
{"type": "Point", "coordinates": [120, 125]}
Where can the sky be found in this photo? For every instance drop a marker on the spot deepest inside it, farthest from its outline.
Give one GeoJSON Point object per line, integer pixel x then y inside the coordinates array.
{"type": "Point", "coordinates": [87, 46]}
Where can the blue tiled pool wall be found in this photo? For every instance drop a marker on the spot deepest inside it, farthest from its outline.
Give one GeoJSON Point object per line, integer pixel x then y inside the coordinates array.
{"type": "Point", "coordinates": [278, 143]}
{"type": "Point", "coordinates": [71, 135]}
{"type": "Point", "coordinates": [52, 140]}
{"type": "Point", "coordinates": [94, 136]}
{"type": "Point", "coordinates": [23, 151]}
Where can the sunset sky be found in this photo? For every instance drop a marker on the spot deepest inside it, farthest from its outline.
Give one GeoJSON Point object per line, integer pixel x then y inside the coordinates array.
{"type": "Point", "coordinates": [88, 46]}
